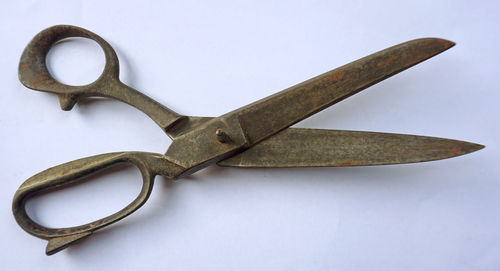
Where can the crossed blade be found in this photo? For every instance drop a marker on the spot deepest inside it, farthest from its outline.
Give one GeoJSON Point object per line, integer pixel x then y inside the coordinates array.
{"type": "Point", "coordinates": [270, 144]}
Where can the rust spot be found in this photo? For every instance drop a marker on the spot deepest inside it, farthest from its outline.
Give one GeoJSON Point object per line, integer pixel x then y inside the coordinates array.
{"type": "Point", "coordinates": [64, 172]}
{"type": "Point", "coordinates": [456, 150]}
{"type": "Point", "coordinates": [387, 61]}
{"type": "Point", "coordinates": [346, 163]}
{"type": "Point", "coordinates": [445, 43]}
{"type": "Point", "coordinates": [337, 75]}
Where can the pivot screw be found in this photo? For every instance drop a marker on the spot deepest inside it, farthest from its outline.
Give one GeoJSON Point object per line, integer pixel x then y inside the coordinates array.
{"type": "Point", "coordinates": [222, 136]}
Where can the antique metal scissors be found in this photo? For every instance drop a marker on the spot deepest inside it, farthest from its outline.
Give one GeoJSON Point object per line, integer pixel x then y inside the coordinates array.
{"type": "Point", "coordinates": [256, 135]}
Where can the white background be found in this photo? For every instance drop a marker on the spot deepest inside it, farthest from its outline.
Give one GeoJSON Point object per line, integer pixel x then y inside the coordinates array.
{"type": "Point", "coordinates": [205, 58]}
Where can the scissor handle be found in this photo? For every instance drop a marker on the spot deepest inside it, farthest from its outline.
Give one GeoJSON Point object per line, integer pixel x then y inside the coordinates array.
{"type": "Point", "coordinates": [150, 165]}
{"type": "Point", "coordinates": [33, 73]}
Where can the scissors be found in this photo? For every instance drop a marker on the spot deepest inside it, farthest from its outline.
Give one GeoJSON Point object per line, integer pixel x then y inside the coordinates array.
{"type": "Point", "coordinates": [256, 135]}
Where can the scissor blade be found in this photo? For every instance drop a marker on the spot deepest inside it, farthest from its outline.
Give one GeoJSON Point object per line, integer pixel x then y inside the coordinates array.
{"type": "Point", "coordinates": [276, 112]}
{"type": "Point", "coordinates": [296, 147]}
{"type": "Point", "coordinates": [222, 137]}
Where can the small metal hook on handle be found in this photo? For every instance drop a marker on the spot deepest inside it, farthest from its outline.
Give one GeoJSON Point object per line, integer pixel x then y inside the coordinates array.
{"type": "Point", "coordinates": [150, 165]}
{"type": "Point", "coordinates": [33, 73]}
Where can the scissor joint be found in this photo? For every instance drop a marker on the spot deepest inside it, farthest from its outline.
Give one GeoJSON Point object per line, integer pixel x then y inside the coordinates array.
{"type": "Point", "coordinates": [207, 143]}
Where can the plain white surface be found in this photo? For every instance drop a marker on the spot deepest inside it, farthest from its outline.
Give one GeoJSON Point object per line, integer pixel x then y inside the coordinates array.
{"type": "Point", "coordinates": [205, 58]}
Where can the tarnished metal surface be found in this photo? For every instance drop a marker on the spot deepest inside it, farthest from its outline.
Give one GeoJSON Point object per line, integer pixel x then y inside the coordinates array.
{"type": "Point", "coordinates": [269, 115]}
{"type": "Point", "coordinates": [296, 147]}
{"type": "Point", "coordinates": [202, 141]}
{"type": "Point", "coordinates": [33, 73]}
{"type": "Point", "coordinates": [150, 165]}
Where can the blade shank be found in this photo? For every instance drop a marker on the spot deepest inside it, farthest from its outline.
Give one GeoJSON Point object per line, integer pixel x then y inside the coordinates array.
{"type": "Point", "coordinates": [296, 147]}
{"type": "Point", "coordinates": [281, 110]}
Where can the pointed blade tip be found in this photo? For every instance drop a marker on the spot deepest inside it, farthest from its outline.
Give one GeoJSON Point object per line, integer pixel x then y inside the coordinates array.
{"type": "Point", "coordinates": [468, 147]}
{"type": "Point", "coordinates": [439, 44]}
{"type": "Point", "coordinates": [443, 43]}
{"type": "Point", "coordinates": [447, 43]}
{"type": "Point", "coordinates": [476, 147]}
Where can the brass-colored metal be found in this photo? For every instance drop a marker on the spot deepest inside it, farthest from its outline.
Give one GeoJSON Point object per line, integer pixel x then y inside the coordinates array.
{"type": "Point", "coordinates": [255, 135]}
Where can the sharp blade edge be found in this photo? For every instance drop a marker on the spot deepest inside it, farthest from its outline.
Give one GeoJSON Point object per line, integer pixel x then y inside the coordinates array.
{"type": "Point", "coordinates": [270, 115]}
{"type": "Point", "coordinates": [296, 147]}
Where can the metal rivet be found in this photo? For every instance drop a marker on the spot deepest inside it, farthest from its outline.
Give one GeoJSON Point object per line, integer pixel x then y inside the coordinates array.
{"type": "Point", "coordinates": [222, 136]}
